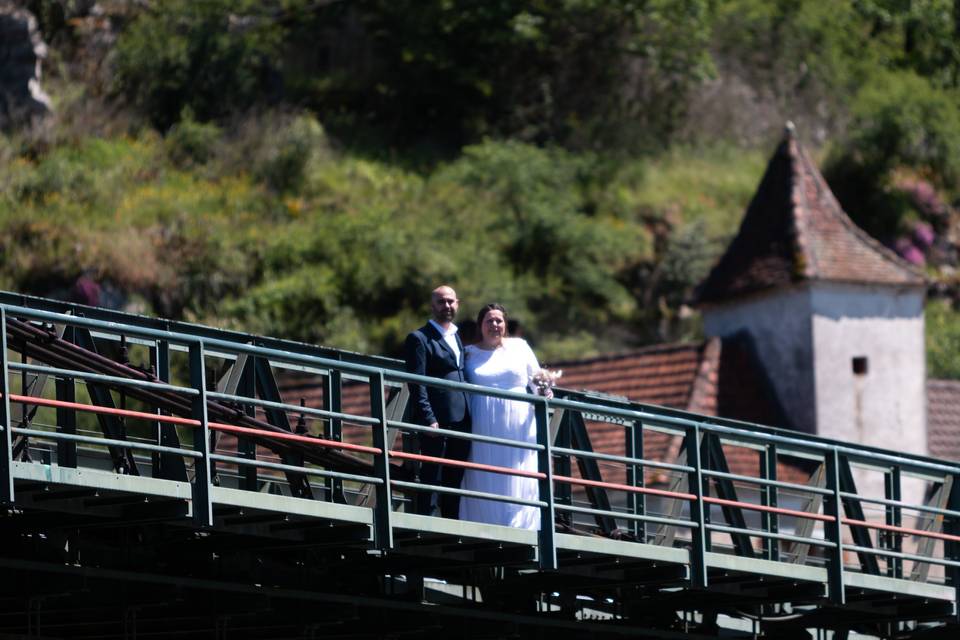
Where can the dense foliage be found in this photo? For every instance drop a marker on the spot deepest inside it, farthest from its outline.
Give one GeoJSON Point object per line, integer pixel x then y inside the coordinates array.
{"type": "Point", "coordinates": [196, 225]}
{"type": "Point", "coordinates": [311, 169]}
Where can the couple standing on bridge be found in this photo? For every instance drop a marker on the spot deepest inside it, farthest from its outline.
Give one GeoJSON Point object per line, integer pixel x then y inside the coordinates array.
{"type": "Point", "coordinates": [498, 361]}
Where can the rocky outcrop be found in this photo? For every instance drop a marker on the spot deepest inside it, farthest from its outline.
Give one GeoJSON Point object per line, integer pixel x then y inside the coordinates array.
{"type": "Point", "coordinates": [22, 101]}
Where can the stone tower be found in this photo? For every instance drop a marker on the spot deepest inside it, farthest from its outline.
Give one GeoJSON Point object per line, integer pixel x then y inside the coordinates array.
{"type": "Point", "coordinates": [836, 318]}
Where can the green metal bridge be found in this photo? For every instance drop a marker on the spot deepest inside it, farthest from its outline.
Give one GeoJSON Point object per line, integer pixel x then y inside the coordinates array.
{"type": "Point", "coordinates": [156, 483]}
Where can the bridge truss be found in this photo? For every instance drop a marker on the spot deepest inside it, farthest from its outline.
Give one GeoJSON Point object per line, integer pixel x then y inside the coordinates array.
{"type": "Point", "coordinates": [155, 482]}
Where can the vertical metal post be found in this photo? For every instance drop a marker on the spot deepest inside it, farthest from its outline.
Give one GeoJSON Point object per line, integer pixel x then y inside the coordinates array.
{"type": "Point", "coordinates": [332, 401]}
{"type": "Point", "coordinates": [832, 506]}
{"type": "Point", "coordinates": [636, 502]}
{"type": "Point", "coordinates": [951, 549]}
{"type": "Point", "coordinates": [768, 497]}
{"type": "Point", "coordinates": [383, 510]}
{"type": "Point", "coordinates": [67, 418]}
{"type": "Point", "coordinates": [547, 536]}
{"type": "Point", "coordinates": [706, 462]}
{"type": "Point", "coordinates": [564, 493]}
{"type": "Point", "coordinates": [160, 361]}
{"type": "Point", "coordinates": [698, 534]}
{"type": "Point", "coordinates": [246, 448]}
{"type": "Point", "coordinates": [202, 504]}
{"type": "Point", "coordinates": [894, 517]}
{"type": "Point", "coordinates": [6, 444]}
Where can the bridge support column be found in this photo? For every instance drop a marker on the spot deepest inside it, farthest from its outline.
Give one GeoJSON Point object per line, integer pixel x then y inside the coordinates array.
{"type": "Point", "coordinates": [833, 531]}
{"type": "Point", "coordinates": [698, 534]}
{"type": "Point", "coordinates": [202, 506]}
{"type": "Point", "coordinates": [6, 443]}
{"type": "Point", "coordinates": [382, 528]}
{"type": "Point", "coordinates": [547, 536]}
{"type": "Point", "coordinates": [951, 549]}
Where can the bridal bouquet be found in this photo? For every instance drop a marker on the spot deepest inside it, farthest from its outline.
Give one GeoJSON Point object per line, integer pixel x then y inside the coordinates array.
{"type": "Point", "coordinates": [544, 380]}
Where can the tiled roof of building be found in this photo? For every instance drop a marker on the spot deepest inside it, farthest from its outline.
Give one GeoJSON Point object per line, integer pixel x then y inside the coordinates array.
{"type": "Point", "coordinates": [793, 230]}
{"type": "Point", "coordinates": [943, 419]}
{"type": "Point", "coordinates": [714, 378]}
{"type": "Point", "coordinates": [662, 375]}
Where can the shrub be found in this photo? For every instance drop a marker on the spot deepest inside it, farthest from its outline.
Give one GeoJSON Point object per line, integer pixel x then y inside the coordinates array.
{"type": "Point", "coordinates": [283, 158]}
{"type": "Point", "coordinates": [943, 340]}
{"type": "Point", "coordinates": [900, 121]}
{"type": "Point", "coordinates": [190, 142]}
{"type": "Point", "coordinates": [211, 56]}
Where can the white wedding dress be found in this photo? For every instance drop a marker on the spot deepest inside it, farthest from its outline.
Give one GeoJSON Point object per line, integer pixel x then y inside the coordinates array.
{"type": "Point", "coordinates": [510, 367]}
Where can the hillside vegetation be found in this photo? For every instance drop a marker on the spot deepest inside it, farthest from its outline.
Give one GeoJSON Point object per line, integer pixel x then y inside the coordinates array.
{"type": "Point", "coordinates": [312, 169]}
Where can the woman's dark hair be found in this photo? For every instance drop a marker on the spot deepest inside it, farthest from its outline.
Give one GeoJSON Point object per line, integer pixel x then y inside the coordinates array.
{"type": "Point", "coordinates": [484, 310]}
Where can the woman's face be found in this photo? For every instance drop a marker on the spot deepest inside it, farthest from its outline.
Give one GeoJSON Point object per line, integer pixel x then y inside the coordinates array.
{"type": "Point", "coordinates": [493, 327]}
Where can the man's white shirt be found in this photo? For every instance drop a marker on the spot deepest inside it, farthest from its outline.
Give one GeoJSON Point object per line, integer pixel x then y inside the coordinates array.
{"type": "Point", "coordinates": [449, 336]}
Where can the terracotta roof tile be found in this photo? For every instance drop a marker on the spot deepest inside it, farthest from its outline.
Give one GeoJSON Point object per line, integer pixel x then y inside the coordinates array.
{"type": "Point", "coordinates": [794, 230]}
{"type": "Point", "coordinates": [943, 419]}
{"type": "Point", "coordinates": [661, 375]}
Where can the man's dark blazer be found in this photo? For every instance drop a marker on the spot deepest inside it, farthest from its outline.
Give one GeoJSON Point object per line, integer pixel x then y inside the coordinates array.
{"type": "Point", "coordinates": [427, 354]}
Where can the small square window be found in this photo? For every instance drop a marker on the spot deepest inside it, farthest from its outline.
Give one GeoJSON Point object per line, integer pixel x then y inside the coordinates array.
{"type": "Point", "coordinates": [860, 365]}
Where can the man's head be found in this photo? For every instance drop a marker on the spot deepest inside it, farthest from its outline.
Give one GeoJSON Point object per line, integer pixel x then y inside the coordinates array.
{"type": "Point", "coordinates": [444, 304]}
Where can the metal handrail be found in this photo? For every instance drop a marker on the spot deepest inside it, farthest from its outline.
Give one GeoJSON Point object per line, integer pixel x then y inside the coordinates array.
{"type": "Point", "coordinates": [97, 377]}
{"type": "Point", "coordinates": [758, 434]}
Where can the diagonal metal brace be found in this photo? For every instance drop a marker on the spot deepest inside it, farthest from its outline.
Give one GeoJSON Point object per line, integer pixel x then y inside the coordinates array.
{"type": "Point", "coordinates": [853, 508]}
{"type": "Point", "coordinates": [268, 389]}
{"type": "Point", "coordinates": [590, 470]}
{"type": "Point", "coordinates": [717, 460]}
{"type": "Point", "coordinates": [112, 426]}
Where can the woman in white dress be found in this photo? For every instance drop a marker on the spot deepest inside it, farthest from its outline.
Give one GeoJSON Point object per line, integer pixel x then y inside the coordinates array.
{"type": "Point", "coordinates": [504, 363]}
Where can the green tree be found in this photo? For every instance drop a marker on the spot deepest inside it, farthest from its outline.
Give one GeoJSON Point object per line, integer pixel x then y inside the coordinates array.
{"type": "Point", "coordinates": [584, 73]}
{"type": "Point", "coordinates": [943, 340]}
{"type": "Point", "coordinates": [924, 35]}
{"type": "Point", "coordinates": [900, 120]}
{"type": "Point", "coordinates": [213, 57]}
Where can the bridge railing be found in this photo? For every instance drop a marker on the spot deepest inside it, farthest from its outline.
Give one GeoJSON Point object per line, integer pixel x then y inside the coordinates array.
{"type": "Point", "coordinates": [196, 385]}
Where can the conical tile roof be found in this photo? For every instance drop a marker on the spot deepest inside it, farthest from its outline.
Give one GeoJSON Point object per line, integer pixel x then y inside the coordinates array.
{"type": "Point", "coordinates": [795, 230]}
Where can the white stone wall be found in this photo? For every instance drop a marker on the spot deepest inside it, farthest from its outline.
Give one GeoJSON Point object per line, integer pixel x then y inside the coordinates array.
{"type": "Point", "coordinates": [886, 406]}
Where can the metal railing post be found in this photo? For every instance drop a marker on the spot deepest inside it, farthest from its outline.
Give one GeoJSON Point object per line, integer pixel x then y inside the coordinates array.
{"type": "Point", "coordinates": [160, 362]}
{"type": "Point", "coordinates": [833, 531]}
{"type": "Point", "coordinates": [770, 522]}
{"type": "Point", "coordinates": [547, 536]}
{"type": "Point", "coordinates": [951, 550]}
{"type": "Point", "coordinates": [698, 534]}
{"type": "Point", "coordinates": [6, 443]}
{"type": "Point", "coordinates": [332, 389]}
{"type": "Point", "coordinates": [636, 502]}
{"type": "Point", "coordinates": [67, 418]}
{"type": "Point", "coordinates": [202, 504]}
{"type": "Point", "coordinates": [245, 447]}
{"type": "Point", "coordinates": [383, 510]}
{"type": "Point", "coordinates": [894, 517]}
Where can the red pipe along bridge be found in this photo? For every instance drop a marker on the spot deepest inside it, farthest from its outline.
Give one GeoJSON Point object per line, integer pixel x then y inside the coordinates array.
{"type": "Point", "coordinates": [156, 482]}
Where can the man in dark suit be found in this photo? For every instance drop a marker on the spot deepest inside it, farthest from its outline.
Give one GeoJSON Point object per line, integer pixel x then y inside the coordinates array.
{"type": "Point", "coordinates": [435, 350]}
